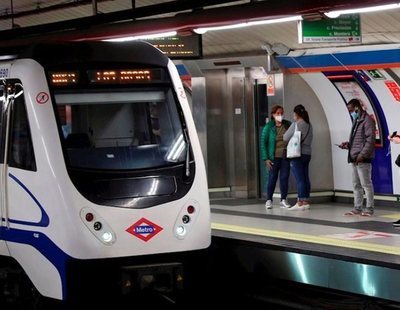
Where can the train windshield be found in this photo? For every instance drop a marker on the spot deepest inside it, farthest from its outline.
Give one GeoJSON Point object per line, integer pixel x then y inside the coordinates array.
{"type": "Point", "coordinates": [121, 129]}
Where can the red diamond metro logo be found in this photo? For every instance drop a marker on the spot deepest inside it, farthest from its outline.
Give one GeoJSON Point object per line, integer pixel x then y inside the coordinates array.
{"type": "Point", "coordinates": [144, 229]}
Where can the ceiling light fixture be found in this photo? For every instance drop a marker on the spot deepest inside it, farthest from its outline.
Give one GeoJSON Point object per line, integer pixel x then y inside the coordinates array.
{"type": "Point", "coordinates": [334, 14]}
{"type": "Point", "coordinates": [248, 24]}
{"type": "Point", "coordinates": [144, 37]}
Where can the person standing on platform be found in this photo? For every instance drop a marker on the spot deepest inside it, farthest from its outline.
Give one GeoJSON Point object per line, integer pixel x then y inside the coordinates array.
{"type": "Point", "coordinates": [273, 150]}
{"type": "Point", "coordinates": [361, 151]}
{"type": "Point", "coordinates": [301, 164]}
{"type": "Point", "coordinates": [395, 138]}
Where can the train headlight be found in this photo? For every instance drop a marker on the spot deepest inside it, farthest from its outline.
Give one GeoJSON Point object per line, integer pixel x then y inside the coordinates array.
{"type": "Point", "coordinates": [180, 230]}
{"type": "Point", "coordinates": [186, 219]}
{"type": "Point", "coordinates": [107, 237]}
{"type": "Point", "coordinates": [97, 226]}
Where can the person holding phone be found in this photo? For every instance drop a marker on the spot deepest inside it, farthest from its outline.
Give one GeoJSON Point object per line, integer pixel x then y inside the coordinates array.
{"type": "Point", "coordinates": [361, 151]}
{"type": "Point", "coordinates": [395, 138]}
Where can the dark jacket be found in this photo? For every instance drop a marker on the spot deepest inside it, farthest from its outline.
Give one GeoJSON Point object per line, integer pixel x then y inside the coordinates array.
{"type": "Point", "coordinates": [268, 139]}
{"type": "Point", "coordinates": [362, 139]}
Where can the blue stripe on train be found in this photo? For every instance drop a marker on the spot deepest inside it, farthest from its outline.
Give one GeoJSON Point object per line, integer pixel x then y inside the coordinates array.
{"type": "Point", "coordinates": [37, 239]}
{"type": "Point", "coordinates": [44, 245]}
{"type": "Point", "coordinates": [44, 221]}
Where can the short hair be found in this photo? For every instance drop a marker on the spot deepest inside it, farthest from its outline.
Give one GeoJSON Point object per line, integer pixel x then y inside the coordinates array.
{"type": "Point", "coordinates": [356, 103]}
{"type": "Point", "coordinates": [274, 109]}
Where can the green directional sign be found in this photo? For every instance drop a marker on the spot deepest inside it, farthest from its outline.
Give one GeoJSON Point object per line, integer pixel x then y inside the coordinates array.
{"type": "Point", "coordinates": [344, 29]}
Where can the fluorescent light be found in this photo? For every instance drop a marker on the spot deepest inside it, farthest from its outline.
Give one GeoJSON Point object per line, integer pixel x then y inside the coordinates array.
{"type": "Point", "coordinates": [334, 14]}
{"type": "Point", "coordinates": [205, 29]}
{"type": "Point", "coordinates": [8, 57]}
{"type": "Point", "coordinates": [144, 37]}
{"type": "Point", "coordinates": [275, 21]}
{"type": "Point", "coordinates": [248, 24]}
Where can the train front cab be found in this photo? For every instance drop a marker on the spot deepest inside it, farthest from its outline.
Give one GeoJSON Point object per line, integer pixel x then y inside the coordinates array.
{"type": "Point", "coordinates": [113, 174]}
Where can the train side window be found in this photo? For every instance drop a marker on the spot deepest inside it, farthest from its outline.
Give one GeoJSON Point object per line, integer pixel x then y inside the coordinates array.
{"type": "Point", "coordinates": [21, 153]}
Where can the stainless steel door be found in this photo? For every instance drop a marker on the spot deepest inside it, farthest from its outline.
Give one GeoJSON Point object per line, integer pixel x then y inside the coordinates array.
{"type": "Point", "coordinates": [228, 132]}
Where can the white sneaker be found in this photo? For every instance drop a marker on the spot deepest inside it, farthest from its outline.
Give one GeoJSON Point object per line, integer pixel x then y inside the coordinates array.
{"type": "Point", "coordinates": [268, 204]}
{"type": "Point", "coordinates": [284, 204]}
{"type": "Point", "coordinates": [296, 207]}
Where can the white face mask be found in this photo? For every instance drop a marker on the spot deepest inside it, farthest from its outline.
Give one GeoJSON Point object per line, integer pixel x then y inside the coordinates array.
{"type": "Point", "coordinates": [279, 118]}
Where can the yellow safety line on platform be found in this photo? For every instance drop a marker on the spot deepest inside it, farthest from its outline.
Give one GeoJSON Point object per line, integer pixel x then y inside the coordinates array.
{"type": "Point", "coordinates": [373, 247]}
{"type": "Point", "coordinates": [392, 216]}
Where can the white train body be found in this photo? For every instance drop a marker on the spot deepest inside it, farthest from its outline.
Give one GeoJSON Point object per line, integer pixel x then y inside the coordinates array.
{"type": "Point", "coordinates": [126, 194]}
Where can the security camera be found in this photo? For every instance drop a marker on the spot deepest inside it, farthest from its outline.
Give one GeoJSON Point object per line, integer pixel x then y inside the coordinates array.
{"type": "Point", "coordinates": [268, 48]}
{"type": "Point", "coordinates": [280, 48]}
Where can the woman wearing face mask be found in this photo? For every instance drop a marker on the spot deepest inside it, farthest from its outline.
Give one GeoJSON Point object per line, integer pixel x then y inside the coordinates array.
{"type": "Point", "coordinates": [273, 150]}
{"type": "Point", "coordinates": [300, 165]}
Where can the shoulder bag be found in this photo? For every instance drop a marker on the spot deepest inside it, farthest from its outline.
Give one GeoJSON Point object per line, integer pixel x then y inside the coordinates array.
{"type": "Point", "coordinates": [294, 144]}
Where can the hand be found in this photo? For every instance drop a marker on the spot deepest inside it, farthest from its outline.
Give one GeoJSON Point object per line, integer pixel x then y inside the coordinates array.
{"type": "Point", "coordinates": [269, 164]}
{"type": "Point", "coordinates": [344, 145]}
{"type": "Point", "coordinates": [395, 139]}
{"type": "Point", "coordinates": [359, 159]}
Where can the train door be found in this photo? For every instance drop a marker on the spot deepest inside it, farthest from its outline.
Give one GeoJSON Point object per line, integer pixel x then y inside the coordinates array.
{"type": "Point", "coordinates": [2, 167]}
{"type": "Point", "coordinates": [17, 157]}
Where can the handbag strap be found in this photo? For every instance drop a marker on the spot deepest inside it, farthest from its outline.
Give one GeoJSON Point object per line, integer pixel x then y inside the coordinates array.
{"type": "Point", "coordinates": [302, 140]}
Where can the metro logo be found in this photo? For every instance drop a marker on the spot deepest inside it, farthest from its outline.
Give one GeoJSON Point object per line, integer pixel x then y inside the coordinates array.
{"type": "Point", "coordinates": [144, 229]}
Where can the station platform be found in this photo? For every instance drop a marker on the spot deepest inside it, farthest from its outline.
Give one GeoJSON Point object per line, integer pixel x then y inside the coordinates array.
{"type": "Point", "coordinates": [320, 246]}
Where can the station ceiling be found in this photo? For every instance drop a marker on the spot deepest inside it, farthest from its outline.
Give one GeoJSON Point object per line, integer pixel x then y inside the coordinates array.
{"type": "Point", "coordinates": [39, 15]}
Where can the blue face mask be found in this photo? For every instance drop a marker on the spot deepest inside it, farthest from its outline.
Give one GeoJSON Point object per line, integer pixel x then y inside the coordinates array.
{"type": "Point", "coordinates": [354, 114]}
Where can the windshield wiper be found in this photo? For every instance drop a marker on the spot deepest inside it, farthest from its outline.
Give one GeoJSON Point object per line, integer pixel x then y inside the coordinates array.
{"type": "Point", "coordinates": [187, 165]}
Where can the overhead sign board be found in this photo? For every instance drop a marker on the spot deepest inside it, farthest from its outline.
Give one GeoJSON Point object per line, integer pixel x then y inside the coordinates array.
{"type": "Point", "coordinates": [179, 47]}
{"type": "Point", "coordinates": [344, 29]}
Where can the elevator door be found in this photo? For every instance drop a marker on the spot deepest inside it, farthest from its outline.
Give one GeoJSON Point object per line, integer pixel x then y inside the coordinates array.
{"type": "Point", "coordinates": [226, 132]}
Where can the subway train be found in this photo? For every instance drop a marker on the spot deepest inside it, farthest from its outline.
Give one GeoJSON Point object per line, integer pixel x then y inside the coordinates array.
{"type": "Point", "coordinates": [103, 183]}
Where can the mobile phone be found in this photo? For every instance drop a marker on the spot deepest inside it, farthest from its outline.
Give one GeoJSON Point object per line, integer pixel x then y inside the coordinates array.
{"type": "Point", "coordinates": [393, 134]}
{"type": "Point", "coordinates": [337, 144]}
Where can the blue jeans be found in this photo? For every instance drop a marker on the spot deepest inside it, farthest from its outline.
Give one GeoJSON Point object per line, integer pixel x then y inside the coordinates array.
{"type": "Point", "coordinates": [281, 166]}
{"type": "Point", "coordinates": [300, 171]}
{"type": "Point", "coordinates": [362, 182]}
